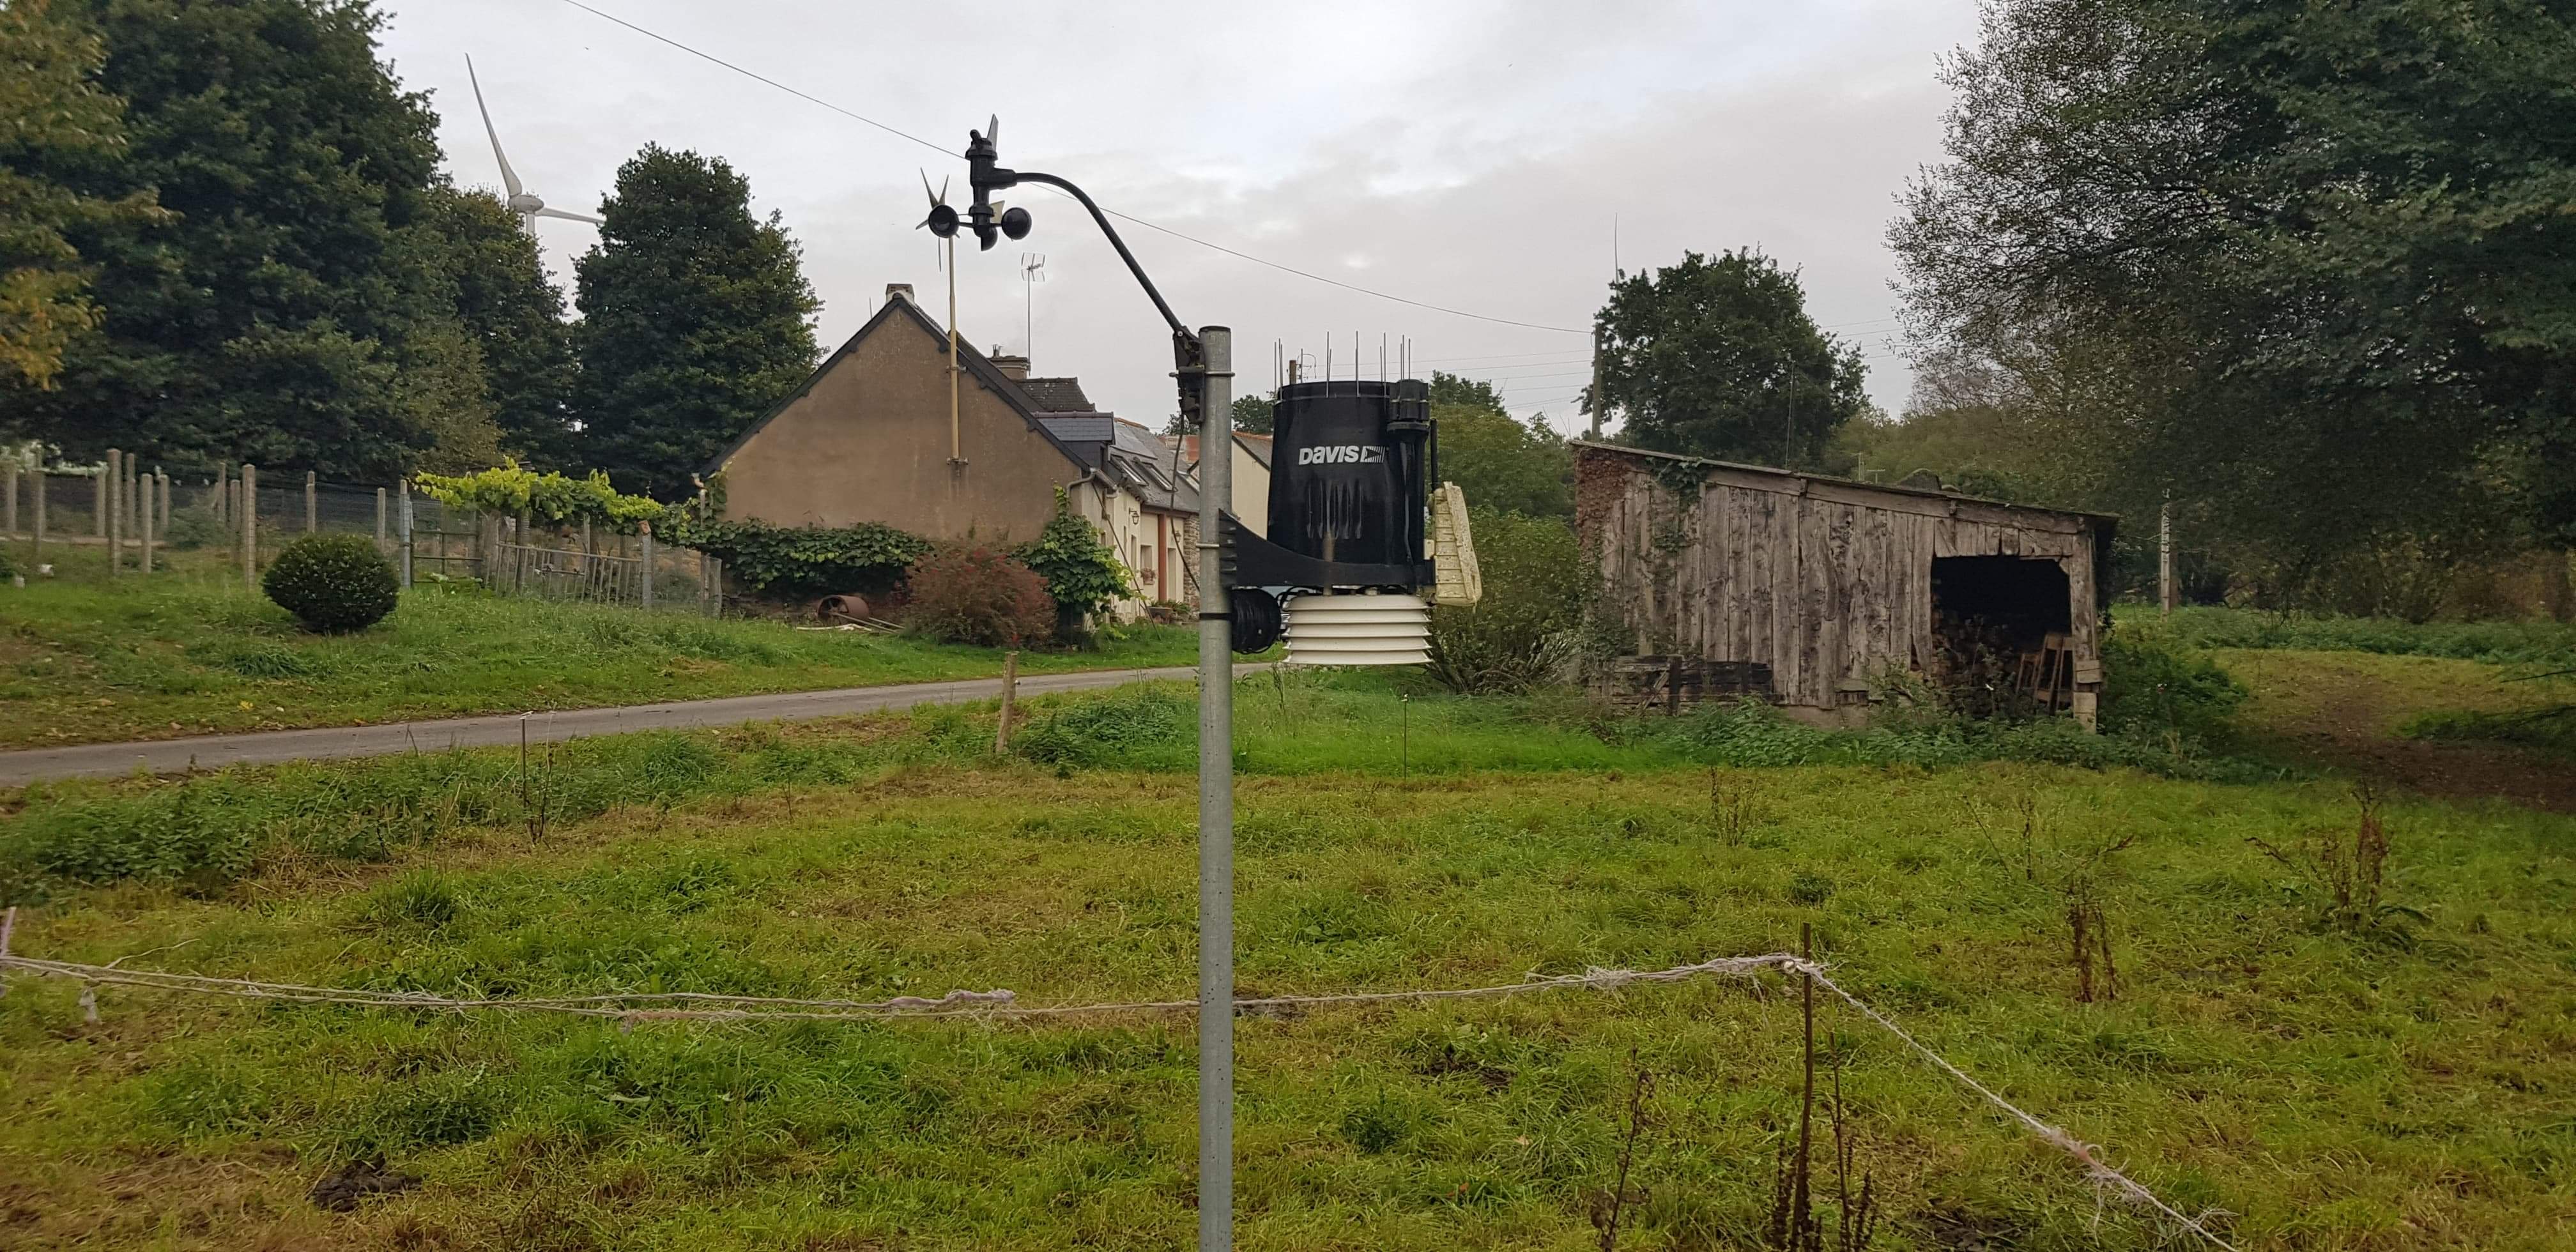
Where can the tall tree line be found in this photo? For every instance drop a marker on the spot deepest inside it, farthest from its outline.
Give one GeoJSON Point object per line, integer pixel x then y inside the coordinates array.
{"type": "Point", "coordinates": [224, 236]}
{"type": "Point", "coordinates": [2310, 270]}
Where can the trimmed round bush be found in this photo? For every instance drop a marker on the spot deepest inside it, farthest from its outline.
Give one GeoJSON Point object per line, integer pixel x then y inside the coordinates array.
{"type": "Point", "coordinates": [333, 582]}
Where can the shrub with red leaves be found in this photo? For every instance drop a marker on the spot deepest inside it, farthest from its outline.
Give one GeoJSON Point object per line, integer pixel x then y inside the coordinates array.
{"type": "Point", "coordinates": [978, 594]}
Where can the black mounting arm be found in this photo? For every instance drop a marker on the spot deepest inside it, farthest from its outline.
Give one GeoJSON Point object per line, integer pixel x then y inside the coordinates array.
{"type": "Point", "coordinates": [985, 174]}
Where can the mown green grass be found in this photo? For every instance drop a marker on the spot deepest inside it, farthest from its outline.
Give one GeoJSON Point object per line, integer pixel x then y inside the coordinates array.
{"type": "Point", "coordinates": [205, 831]}
{"type": "Point", "coordinates": [82, 660]}
{"type": "Point", "coordinates": [2329, 1090]}
{"type": "Point", "coordinates": [2497, 643]}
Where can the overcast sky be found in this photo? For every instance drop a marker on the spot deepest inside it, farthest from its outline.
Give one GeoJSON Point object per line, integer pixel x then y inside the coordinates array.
{"type": "Point", "coordinates": [1465, 155]}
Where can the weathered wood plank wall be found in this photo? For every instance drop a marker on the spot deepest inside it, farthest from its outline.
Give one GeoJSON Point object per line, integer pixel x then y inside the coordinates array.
{"type": "Point", "coordinates": [1829, 584]}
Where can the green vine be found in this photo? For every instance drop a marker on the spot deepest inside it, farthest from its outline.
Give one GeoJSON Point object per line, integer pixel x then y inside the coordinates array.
{"type": "Point", "coordinates": [799, 560]}
{"type": "Point", "coordinates": [513, 488]}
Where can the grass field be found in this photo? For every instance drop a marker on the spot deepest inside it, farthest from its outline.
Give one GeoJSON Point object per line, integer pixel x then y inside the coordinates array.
{"type": "Point", "coordinates": [82, 661]}
{"type": "Point", "coordinates": [2398, 1087]}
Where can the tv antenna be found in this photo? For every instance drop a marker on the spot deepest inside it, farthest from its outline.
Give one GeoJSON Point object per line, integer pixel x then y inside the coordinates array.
{"type": "Point", "coordinates": [1032, 272]}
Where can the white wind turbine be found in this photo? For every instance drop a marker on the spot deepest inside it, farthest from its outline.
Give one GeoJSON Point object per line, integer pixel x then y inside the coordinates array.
{"type": "Point", "coordinates": [523, 202]}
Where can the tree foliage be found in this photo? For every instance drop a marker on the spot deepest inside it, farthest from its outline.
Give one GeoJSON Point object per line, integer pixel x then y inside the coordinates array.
{"type": "Point", "coordinates": [267, 320]}
{"type": "Point", "coordinates": [1537, 586]}
{"type": "Point", "coordinates": [2317, 258]}
{"type": "Point", "coordinates": [510, 308]}
{"type": "Point", "coordinates": [1502, 462]}
{"type": "Point", "coordinates": [1717, 357]}
{"type": "Point", "coordinates": [1252, 414]}
{"type": "Point", "coordinates": [53, 116]}
{"type": "Point", "coordinates": [696, 318]}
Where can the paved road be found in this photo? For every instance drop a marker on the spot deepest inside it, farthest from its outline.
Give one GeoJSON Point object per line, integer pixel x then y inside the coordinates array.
{"type": "Point", "coordinates": [171, 756]}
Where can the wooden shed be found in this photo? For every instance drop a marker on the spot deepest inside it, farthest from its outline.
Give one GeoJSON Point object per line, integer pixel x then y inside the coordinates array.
{"type": "Point", "coordinates": [1813, 591]}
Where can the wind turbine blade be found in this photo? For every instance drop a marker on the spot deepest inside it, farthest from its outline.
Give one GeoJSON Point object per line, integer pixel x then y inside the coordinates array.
{"type": "Point", "coordinates": [509, 177]}
{"type": "Point", "coordinates": [570, 216]}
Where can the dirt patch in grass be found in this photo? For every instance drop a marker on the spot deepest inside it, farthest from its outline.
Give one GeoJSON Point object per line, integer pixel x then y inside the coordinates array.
{"type": "Point", "coordinates": [2342, 711]}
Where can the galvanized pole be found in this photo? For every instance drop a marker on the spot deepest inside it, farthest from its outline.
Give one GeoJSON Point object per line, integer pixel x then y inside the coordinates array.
{"type": "Point", "coordinates": [1216, 801]}
{"type": "Point", "coordinates": [2164, 557]}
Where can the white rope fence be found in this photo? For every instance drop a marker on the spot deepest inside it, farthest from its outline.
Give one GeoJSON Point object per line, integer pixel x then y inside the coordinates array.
{"type": "Point", "coordinates": [627, 1009]}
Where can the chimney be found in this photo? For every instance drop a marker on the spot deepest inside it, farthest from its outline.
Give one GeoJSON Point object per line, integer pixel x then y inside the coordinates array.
{"type": "Point", "coordinates": [899, 291]}
{"type": "Point", "coordinates": [1015, 368]}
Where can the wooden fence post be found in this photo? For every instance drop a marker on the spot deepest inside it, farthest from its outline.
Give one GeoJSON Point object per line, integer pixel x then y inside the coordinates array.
{"type": "Point", "coordinates": [98, 509]}
{"type": "Point", "coordinates": [39, 555]}
{"type": "Point", "coordinates": [380, 519]}
{"type": "Point", "coordinates": [12, 491]}
{"type": "Point", "coordinates": [130, 496]}
{"type": "Point", "coordinates": [645, 542]}
{"type": "Point", "coordinates": [718, 563]}
{"type": "Point", "coordinates": [250, 526]}
{"type": "Point", "coordinates": [221, 501]}
{"type": "Point", "coordinates": [1010, 694]}
{"type": "Point", "coordinates": [312, 509]}
{"type": "Point", "coordinates": [143, 527]}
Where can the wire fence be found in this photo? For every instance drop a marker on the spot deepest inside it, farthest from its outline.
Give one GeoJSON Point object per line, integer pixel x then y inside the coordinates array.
{"type": "Point", "coordinates": [63, 520]}
{"type": "Point", "coordinates": [630, 1009]}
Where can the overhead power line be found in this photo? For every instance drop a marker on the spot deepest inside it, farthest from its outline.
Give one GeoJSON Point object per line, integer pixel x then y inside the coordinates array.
{"type": "Point", "coordinates": [1126, 217]}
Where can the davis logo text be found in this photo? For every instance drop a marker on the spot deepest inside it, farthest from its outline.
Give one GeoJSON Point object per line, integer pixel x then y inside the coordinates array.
{"type": "Point", "coordinates": [1342, 454]}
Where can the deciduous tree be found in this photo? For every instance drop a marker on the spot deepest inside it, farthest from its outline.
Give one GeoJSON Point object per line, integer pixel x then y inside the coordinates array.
{"type": "Point", "coordinates": [264, 322]}
{"type": "Point", "coordinates": [1717, 357]}
{"type": "Point", "coordinates": [53, 114]}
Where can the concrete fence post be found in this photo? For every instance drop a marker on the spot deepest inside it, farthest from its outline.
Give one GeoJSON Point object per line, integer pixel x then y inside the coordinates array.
{"type": "Point", "coordinates": [250, 526]}
{"type": "Point", "coordinates": [110, 513]}
{"type": "Point", "coordinates": [312, 504]}
{"type": "Point", "coordinates": [406, 524]}
{"type": "Point", "coordinates": [151, 501]}
{"type": "Point", "coordinates": [12, 492]}
{"type": "Point", "coordinates": [380, 519]}
{"type": "Point", "coordinates": [134, 497]}
{"type": "Point", "coordinates": [98, 509]}
{"type": "Point", "coordinates": [221, 501]}
{"type": "Point", "coordinates": [39, 519]}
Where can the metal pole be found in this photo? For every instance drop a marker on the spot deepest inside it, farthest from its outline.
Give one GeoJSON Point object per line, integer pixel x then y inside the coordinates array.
{"type": "Point", "coordinates": [1596, 382]}
{"type": "Point", "coordinates": [2164, 558]}
{"type": "Point", "coordinates": [1216, 801]}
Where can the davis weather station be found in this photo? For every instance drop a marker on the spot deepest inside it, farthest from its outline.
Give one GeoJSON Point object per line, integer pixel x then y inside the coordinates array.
{"type": "Point", "coordinates": [1360, 546]}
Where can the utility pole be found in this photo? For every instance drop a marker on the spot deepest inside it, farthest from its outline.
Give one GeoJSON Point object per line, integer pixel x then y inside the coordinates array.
{"type": "Point", "coordinates": [1597, 404]}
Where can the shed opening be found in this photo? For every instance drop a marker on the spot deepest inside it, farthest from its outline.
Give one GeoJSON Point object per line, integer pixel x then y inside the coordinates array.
{"type": "Point", "coordinates": [2001, 623]}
